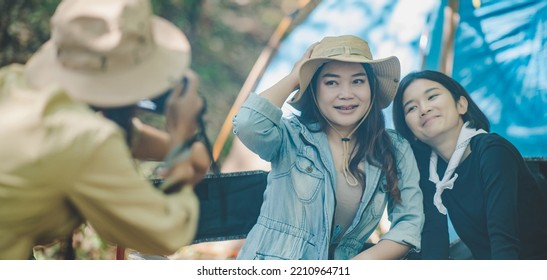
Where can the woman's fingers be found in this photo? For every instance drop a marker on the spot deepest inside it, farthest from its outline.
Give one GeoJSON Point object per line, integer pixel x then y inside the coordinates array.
{"type": "Point", "coordinates": [191, 170]}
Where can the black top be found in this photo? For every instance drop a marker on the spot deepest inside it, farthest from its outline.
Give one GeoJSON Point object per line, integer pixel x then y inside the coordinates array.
{"type": "Point", "coordinates": [496, 206]}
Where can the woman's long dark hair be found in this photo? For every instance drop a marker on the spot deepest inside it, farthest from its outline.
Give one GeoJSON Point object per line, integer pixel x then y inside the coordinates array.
{"type": "Point", "coordinates": [122, 116]}
{"type": "Point", "coordinates": [373, 142]}
{"type": "Point", "coordinates": [474, 115]}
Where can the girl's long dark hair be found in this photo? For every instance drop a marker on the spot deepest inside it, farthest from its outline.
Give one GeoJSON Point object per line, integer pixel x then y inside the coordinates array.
{"type": "Point", "coordinates": [373, 142]}
{"type": "Point", "coordinates": [474, 115]}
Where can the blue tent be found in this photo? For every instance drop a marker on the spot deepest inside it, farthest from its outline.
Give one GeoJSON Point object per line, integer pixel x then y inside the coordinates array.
{"type": "Point", "coordinates": [500, 58]}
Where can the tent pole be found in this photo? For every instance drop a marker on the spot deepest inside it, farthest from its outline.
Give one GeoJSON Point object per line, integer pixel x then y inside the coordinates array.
{"type": "Point", "coordinates": [451, 21]}
{"type": "Point", "coordinates": [258, 69]}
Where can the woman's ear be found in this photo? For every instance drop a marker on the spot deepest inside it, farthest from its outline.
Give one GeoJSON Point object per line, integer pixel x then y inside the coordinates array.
{"type": "Point", "coordinates": [461, 105]}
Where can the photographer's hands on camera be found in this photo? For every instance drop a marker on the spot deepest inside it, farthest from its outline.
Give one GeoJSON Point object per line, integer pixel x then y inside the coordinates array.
{"type": "Point", "coordinates": [188, 160]}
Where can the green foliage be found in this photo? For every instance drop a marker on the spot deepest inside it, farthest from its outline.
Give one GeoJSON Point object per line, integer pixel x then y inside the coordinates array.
{"type": "Point", "coordinates": [23, 28]}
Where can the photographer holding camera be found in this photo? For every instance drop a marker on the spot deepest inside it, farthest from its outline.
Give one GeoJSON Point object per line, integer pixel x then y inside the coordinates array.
{"type": "Point", "coordinates": [69, 136]}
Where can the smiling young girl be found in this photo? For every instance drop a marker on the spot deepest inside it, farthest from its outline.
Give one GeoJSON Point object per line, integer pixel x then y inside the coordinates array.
{"type": "Point", "coordinates": [476, 179]}
{"type": "Point", "coordinates": [334, 167]}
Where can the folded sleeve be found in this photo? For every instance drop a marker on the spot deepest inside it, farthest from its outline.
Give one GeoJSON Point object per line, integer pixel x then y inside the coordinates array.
{"type": "Point", "coordinates": [407, 217]}
{"type": "Point", "coordinates": [259, 126]}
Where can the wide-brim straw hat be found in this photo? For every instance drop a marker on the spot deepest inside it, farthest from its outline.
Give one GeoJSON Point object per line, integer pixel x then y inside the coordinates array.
{"type": "Point", "coordinates": [349, 48]}
{"type": "Point", "coordinates": [110, 53]}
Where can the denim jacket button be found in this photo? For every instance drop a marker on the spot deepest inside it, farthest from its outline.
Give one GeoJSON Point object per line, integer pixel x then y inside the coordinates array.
{"type": "Point", "coordinates": [309, 169]}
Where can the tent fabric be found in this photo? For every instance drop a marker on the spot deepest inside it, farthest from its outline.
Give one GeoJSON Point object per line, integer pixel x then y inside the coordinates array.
{"type": "Point", "coordinates": [500, 58]}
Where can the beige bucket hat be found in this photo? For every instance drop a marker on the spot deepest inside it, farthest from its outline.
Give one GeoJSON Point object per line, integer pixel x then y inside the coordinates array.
{"type": "Point", "coordinates": [110, 53]}
{"type": "Point", "coordinates": [349, 48]}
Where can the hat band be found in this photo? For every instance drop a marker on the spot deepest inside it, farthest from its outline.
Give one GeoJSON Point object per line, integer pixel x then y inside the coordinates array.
{"type": "Point", "coordinates": [345, 50]}
{"type": "Point", "coordinates": [82, 60]}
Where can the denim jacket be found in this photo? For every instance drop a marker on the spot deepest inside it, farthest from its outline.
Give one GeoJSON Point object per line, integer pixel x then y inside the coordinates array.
{"type": "Point", "coordinates": [296, 217]}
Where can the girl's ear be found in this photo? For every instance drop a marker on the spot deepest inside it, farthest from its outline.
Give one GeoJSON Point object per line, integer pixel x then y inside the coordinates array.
{"type": "Point", "coordinates": [461, 105]}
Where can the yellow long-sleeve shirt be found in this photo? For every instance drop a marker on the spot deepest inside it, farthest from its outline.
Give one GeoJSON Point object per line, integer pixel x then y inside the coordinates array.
{"type": "Point", "coordinates": [61, 164]}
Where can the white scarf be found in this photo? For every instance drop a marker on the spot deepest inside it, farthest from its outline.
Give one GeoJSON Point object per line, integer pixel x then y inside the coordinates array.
{"type": "Point", "coordinates": [448, 183]}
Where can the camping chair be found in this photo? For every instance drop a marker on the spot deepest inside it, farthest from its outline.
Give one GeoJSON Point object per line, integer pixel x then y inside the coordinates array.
{"type": "Point", "coordinates": [229, 206]}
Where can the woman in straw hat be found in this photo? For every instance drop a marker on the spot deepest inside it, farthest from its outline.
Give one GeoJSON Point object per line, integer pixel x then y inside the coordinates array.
{"type": "Point", "coordinates": [335, 167]}
{"type": "Point", "coordinates": [65, 164]}
{"type": "Point", "coordinates": [477, 179]}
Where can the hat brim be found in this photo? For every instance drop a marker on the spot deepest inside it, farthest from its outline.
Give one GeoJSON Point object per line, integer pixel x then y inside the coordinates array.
{"type": "Point", "coordinates": [159, 72]}
{"type": "Point", "coordinates": [387, 71]}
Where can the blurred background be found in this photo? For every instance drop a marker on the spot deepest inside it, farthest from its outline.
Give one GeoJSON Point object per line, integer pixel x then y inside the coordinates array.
{"type": "Point", "coordinates": [226, 38]}
{"type": "Point", "coordinates": [495, 48]}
